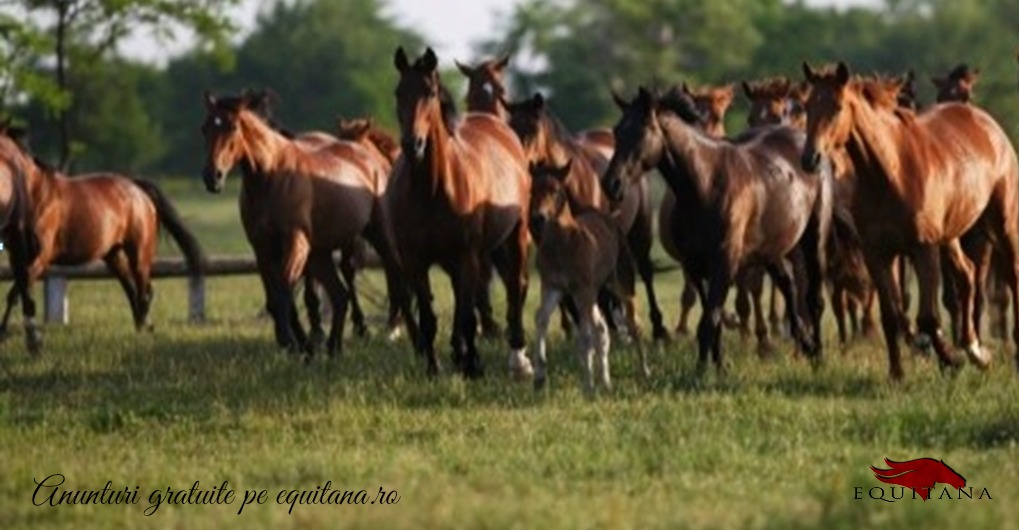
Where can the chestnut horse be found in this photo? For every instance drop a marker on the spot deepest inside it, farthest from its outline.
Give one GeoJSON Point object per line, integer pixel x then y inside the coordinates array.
{"type": "Point", "coordinates": [17, 224]}
{"type": "Point", "coordinates": [547, 141]}
{"type": "Point", "coordinates": [300, 201]}
{"type": "Point", "coordinates": [579, 253]}
{"type": "Point", "coordinates": [739, 203]}
{"type": "Point", "coordinates": [100, 216]}
{"type": "Point", "coordinates": [463, 196]}
{"type": "Point", "coordinates": [923, 181]}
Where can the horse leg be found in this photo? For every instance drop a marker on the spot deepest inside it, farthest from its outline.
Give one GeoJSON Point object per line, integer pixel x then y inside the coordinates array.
{"type": "Point", "coordinates": [926, 261]}
{"type": "Point", "coordinates": [853, 312]}
{"type": "Point", "coordinates": [743, 302]}
{"type": "Point", "coordinates": [117, 261]}
{"type": "Point", "coordinates": [549, 301]}
{"type": "Point", "coordinates": [950, 297]}
{"type": "Point", "coordinates": [349, 272]}
{"type": "Point", "coordinates": [709, 330]}
{"type": "Point", "coordinates": [687, 301]}
{"type": "Point", "coordinates": [640, 239]}
{"type": "Point", "coordinates": [602, 344]}
{"type": "Point", "coordinates": [586, 342]}
{"type": "Point", "coordinates": [774, 315]}
{"type": "Point", "coordinates": [12, 300]}
{"type": "Point", "coordinates": [427, 325]}
{"type": "Point", "coordinates": [285, 276]}
{"type": "Point", "coordinates": [466, 276]}
{"type": "Point", "coordinates": [483, 304]}
{"type": "Point", "coordinates": [838, 306]}
{"type": "Point", "coordinates": [756, 288]}
{"type": "Point", "coordinates": [867, 311]}
{"type": "Point", "coordinates": [320, 265]}
{"type": "Point", "coordinates": [965, 277]}
{"type": "Point", "coordinates": [979, 250]}
{"type": "Point", "coordinates": [313, 305]}
{"type": "Point", "coordinates": [379, 235]}
{"type": "Point", "coordinates": [510, 260]}
{"type": "Point", "coordinates": [782, 276]}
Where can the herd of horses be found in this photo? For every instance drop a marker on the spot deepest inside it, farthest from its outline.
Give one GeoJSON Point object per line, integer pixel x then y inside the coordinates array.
{"type": "Point", "coordinates": [839, 180]}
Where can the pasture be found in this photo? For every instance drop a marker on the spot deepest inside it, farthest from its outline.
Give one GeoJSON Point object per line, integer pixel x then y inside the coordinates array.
{"type": "Point", "coordinates": [771, 445]}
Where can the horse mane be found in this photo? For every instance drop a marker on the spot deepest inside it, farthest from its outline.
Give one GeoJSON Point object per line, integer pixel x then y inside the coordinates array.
{"type": "Point", "coordinates": [682, 105]}
{"type": "Point", "coordinates": [882, 93]}
{"type": "Point", "coordinates": [961, 71]}
{"type": "Point", "coordinates": [450, 115]}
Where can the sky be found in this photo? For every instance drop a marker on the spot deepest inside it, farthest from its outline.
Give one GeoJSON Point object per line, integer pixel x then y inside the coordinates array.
{"type": "Point", "coordinates": [452, 27]}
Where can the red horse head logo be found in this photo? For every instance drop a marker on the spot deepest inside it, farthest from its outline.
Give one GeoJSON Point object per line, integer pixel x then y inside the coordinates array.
{"type": "Point", "coordinates": [919, 475]}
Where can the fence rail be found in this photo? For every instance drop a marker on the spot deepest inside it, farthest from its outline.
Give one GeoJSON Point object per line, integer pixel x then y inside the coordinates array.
{"type": "Point", "coordinates": [55, 280]}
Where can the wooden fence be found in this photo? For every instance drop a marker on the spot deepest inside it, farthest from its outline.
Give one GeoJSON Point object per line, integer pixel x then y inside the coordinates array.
{"type": "Point", "coordinates": [55, 306]}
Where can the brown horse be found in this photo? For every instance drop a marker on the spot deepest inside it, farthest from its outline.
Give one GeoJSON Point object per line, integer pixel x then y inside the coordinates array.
{"type": "Point", "coordinates": [300, 201]}
{"type": "Point", "coordinates": [740, 203]}
{"type": "Point", "coordinates": [101, 216]}
{"type": "Point", "coordinates": [957, 85]}
{"type": "Point", "coordinates": [485, 86]}
{"type": "Point", "coordinates": [463, 198]}
{"type": "Point", "coordinates": [17, 224]}
{"type": "Point", "coordinates": [778, 101]}
{"type": "Point", "coordinates": [923, 181]}
{"type": "Point", "coordinates": [578, 254]}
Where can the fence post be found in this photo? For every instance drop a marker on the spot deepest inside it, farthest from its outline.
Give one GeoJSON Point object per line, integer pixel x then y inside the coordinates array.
{"type": "Point", "coordinates": [196, 299]}
{"type": "Point", "coordinates": [55, 299]}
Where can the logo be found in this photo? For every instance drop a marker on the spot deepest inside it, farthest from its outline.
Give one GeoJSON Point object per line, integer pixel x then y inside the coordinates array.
{"type": "Point", "coordinates": [919, 475]}
{"type": "Point", "coordinates": [922, 477]}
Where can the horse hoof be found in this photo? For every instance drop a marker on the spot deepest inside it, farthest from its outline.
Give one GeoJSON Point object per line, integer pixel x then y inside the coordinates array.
{"type": "Point", "coordinates": [473, 369]}
{"type": "Point", "coordinates": [682, 330]}
{"type": "Point", "coordinates": [978, 355]}
{"type": "Point", "coordinates": [539, 383]}
{"type": "Point", "coordinates": [520, 366]}
{"type": "Point", "coordinates": [730, 321]}
{"type": "Point", "coordinates": [923, 343]}
{"type": "Point", "coordinates": [317, 337]}
{"type": "Point", "coordinates": [4, 334]}
{"type": "Point", "coordinates": [395, 334]}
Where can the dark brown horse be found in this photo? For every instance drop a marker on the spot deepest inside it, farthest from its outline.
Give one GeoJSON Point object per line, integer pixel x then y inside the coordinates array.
{"type": "Point", "coordinates": [300, 201]}
{"type": "Point", "coordinates": [101, 216]}
{"type": "Point", "coordinates": [578, 255]}
{"type": "Point", "coordinates": [17, 224]}
{"type": "Point", "coordinates": [957, 85]}
{"type": "Point", "coordinates": [778, 101]}
{"type": "Point", "coordinates": [462, 198]}
{"type": "Point", "coordinates": [923, 181]}
{"type": "Point", "coordinates": [740, 203]}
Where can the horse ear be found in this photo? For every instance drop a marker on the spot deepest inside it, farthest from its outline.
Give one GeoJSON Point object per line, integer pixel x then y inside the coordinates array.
{"type": "Point", "coordinates": [464, 69]}
{"type": "Point", "coordinates": [561, 173]}
{"type": "Point", "coordinates": [726, 93]}
{"type": "Point", "coordinates": [400, 60]}
{"type": "Point", "coordinates": [646, 98]}
{"type": "Point", "coordinates": [842, 73]}
{"type": "Point", "coordinates": [429, 61]}
{"type": "Point", "coordinates": [747, 91]}
{"type": "Point", "coordinates": [619, 101]}
{"type": "Point", "coordinates": [210, 100]}
{"type": "Point", "coordinates": [501, 64]}
{"type": "Point", "coordinates": [809, 73]}
{"type": "Point", "coordinates": [685, 88]}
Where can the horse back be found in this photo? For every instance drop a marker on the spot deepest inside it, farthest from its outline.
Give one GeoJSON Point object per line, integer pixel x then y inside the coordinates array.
{"type": "Point", "coordinates": [490, 163]}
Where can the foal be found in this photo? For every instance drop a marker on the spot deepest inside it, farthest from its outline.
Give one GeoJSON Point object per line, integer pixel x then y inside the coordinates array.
{"type": "Point", "coordinates": [578, 254]}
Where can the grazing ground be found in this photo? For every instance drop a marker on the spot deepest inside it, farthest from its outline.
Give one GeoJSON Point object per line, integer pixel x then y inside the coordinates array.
{"type": "Point", "coordinates": [772, 445]}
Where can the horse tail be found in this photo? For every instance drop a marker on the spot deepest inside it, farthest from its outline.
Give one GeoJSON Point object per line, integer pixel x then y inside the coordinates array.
{"type": "Point", "coordinates": [170, 218]}
{"type": "Point", "coordinates": [24, 217]}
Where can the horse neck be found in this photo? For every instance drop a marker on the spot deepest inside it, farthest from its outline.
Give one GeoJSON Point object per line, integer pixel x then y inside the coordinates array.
{"type": "Point", "coordinates": [687, 155]}
{"type": "Point", "coordinates": [265, 150]}
{"type": "Point", "coordinates": [874, 140]}
{"type": "Point", "coordinates": [438, 150]}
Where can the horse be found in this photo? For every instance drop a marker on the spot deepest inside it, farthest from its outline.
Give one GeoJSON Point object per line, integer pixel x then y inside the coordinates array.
{"type": "Point", "coordinates": [463, 196]}
{"type": "Point", "coordinates": [923, 181]}
{"type": "Point", "coordinates": [17, 224]}
{"type": "Point", "coordinates": [593, 145]}
{"type": "Point", "coordinates": [739, 203]}
{"type": "Point", "coordinates": [578, 254]}
{"type": "Point", "coordinates": [779, 101]}
{"type": "Point", "coordinates": [300, 201]}
{"type": "Point", "coordinates": [99, 216]}
{"type": "Point", "coordinates": [957, 86]}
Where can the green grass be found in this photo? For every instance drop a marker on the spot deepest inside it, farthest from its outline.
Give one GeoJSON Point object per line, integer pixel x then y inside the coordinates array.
{"type": "Point", "coordinates": [773, 445]}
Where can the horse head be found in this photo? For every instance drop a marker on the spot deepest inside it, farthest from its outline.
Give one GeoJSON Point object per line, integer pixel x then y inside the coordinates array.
{"type": "Point", "coordinates": [485, 84]}
{"type": "Point", "coordinates": [828, 120]}
{"type": "Point", "coordinates": [224, 139]}
{"type": "Point", "coordinates": [957, 85]}
{"type": "Point", "coordinates": [712, 102]}
{"type": "Point", "coordinates": [418, 106]}
{"type": "Point", "coordinates": [548, 193]}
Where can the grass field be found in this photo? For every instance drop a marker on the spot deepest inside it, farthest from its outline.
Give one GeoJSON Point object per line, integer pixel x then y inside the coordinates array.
{"type": "Point", "coordinates": [772, 445]}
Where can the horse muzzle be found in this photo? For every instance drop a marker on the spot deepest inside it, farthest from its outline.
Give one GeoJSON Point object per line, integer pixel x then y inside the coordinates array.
{"type": "Point", "coordinates": [213, 179]}
{"type": "Point", "coordinates": [415, 145]}
{"type": "Point", "coordinates": [811, 160]}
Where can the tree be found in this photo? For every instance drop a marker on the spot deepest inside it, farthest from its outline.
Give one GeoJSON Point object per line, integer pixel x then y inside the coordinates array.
{"type": "Point", "coordinates": [67, 39]}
